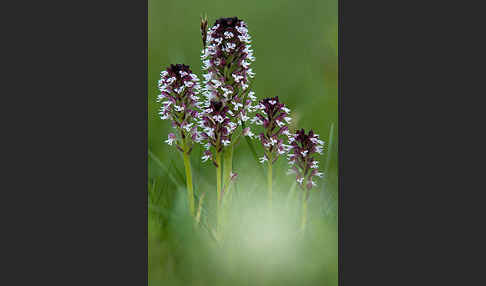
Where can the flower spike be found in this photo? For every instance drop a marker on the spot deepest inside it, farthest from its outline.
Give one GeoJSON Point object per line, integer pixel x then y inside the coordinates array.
{"type": "Point", "coordinates": [179, 88]}
{"type": "Point", "coordinates": [302, 159]}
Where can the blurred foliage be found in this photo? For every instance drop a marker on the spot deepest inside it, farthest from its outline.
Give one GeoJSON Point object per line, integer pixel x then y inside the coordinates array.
{"type": "Point", "coordinates": [295, 44]}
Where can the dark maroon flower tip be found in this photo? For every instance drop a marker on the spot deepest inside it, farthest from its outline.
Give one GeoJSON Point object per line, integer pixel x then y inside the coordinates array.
{"type": "Point", "coordinates": [225, 23]}
{"type": "Point", "coordinates": [174, 70]}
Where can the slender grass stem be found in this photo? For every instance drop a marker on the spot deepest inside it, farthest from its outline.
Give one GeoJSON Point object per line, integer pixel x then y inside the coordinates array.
{"type": "Point", "coordinates": [190, 190]}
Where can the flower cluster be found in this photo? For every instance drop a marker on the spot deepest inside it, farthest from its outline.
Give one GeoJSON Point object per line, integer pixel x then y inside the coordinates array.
{"type": "Point", "coordinates": [274, 117]}
{"type": "Point", "coordinates": [301, 159]}
{"type": "Point", "coordinates": [216, 128]}
{"type": "Point", "coordinates": [226, 59]}
{"type": "Point", "coordinates": [179, 88]}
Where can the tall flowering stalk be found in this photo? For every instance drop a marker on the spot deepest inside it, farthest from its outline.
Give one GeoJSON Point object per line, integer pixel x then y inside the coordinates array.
{"type": "Point", "coordinates": [179, 88]}
{"type": "Point", "coordinates": [303, 150]}
{"type": "Point", "coordinates": [274, 117]}
{"type": "Point", "coordinates": [226, 57]}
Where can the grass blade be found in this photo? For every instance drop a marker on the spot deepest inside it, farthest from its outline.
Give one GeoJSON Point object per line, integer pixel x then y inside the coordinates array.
{"type": "Point", "coordinates": [164, 169]}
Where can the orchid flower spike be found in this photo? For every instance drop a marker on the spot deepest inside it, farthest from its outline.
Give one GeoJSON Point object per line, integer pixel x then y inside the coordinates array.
{"type": "Point", "coordinates": [274, 117]}
{"type": "Point", "coordinates": [302, 159]}
{"type": "Point", "coordinates": [179, 89]}
{"type": "Point", "coordinates": [226, 56]}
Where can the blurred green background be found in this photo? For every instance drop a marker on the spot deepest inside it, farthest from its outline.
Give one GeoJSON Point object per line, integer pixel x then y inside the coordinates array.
{"type": "Point", "coordinates": [295, 45]}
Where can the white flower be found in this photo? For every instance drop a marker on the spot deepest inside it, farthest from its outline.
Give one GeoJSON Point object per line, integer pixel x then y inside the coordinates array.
{"type": "Point", "coordinates": [315, 165]}
{"type": "Point", "coordinates": [287, 147]}
{"type": "Point", "coordinates": [245, 38]}
{"type": "Point", "coordinates": [171, 138]}
{"type": "Point", "coordinates": [209, 131]}
{"type": "Point", "coordinates": [279, 123]}
{"type": "Point", "coordinates": [205, 158]}
{"type": "Point", "coordinates": [256, 120]}
{"type": "Point", "coordinates": [194, 77]}
{"type": "Point", "coordinates": [188, 83]}
{"type": "Point", "coordinates": [180, 89]}
{"type": "Point", "coordinates": [300, 180]}
{"type": "Point", "coordinates": [226, 91]}
{"type": "Point", "coordinates": [263, 159]}
{"type": "Point", "coordinates": [238, 105]}
{"type": "Point", "coordinates": [237, 78]}
{"type": "Point", "coordinates": [250, 73]}
{"type": "Point", "coordinates": [171, 80]}
{"type": "Point", "coordinates": [226, 142]}
{"type": "Point", "coordinates": [188, 126]}
{"type": "Point", "coordinates": [252, 96]}
{"type": "Point", "coordinates": [206, 64]}
{"type": "Point", "coordinates": [207, 76]}
{"type": "Point", "coordinates": [178, 108]}
{"type": "Point", "coordinates": [241, 29]}
{"type": "Point", "coordinates": [230, 46]}
{"type": "Point", "coordinates": [231, 126]}
{"type": "Point", "coordinates": [304, 153]}
{"type": "Point", "coordinates": [183, 73]}
{"type": "Point", "coordinates": [216, 83]}
{"type": "Point", "coordinates": [272, 102]}
{"type": "Point", "coordinates": [218, 40]}
{"type": "Point", "coordinates": [319, 174]}
{"type": "Point", "coordinates": [288, 119]}
{"type": "Point", "coordinates": [218, 118]}
{"type": "Point", "coordinates": [228, 35]}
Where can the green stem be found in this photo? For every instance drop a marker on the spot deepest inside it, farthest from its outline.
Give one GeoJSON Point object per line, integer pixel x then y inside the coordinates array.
{"type": "Point", "coordinates": [190, 190]}
{"type": "Point", "coordinates": [228, 167]}
{"type": "Point", "coordinates": [218, 185]}
{"type": "Point", "coordinates": [218, 175]}
{"type": "Point", "coordinates": [304, 205]}
{"type": "Point", "coordinates": [304, 211]}
{"type": "Point", "coordinates": [269, 182]}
